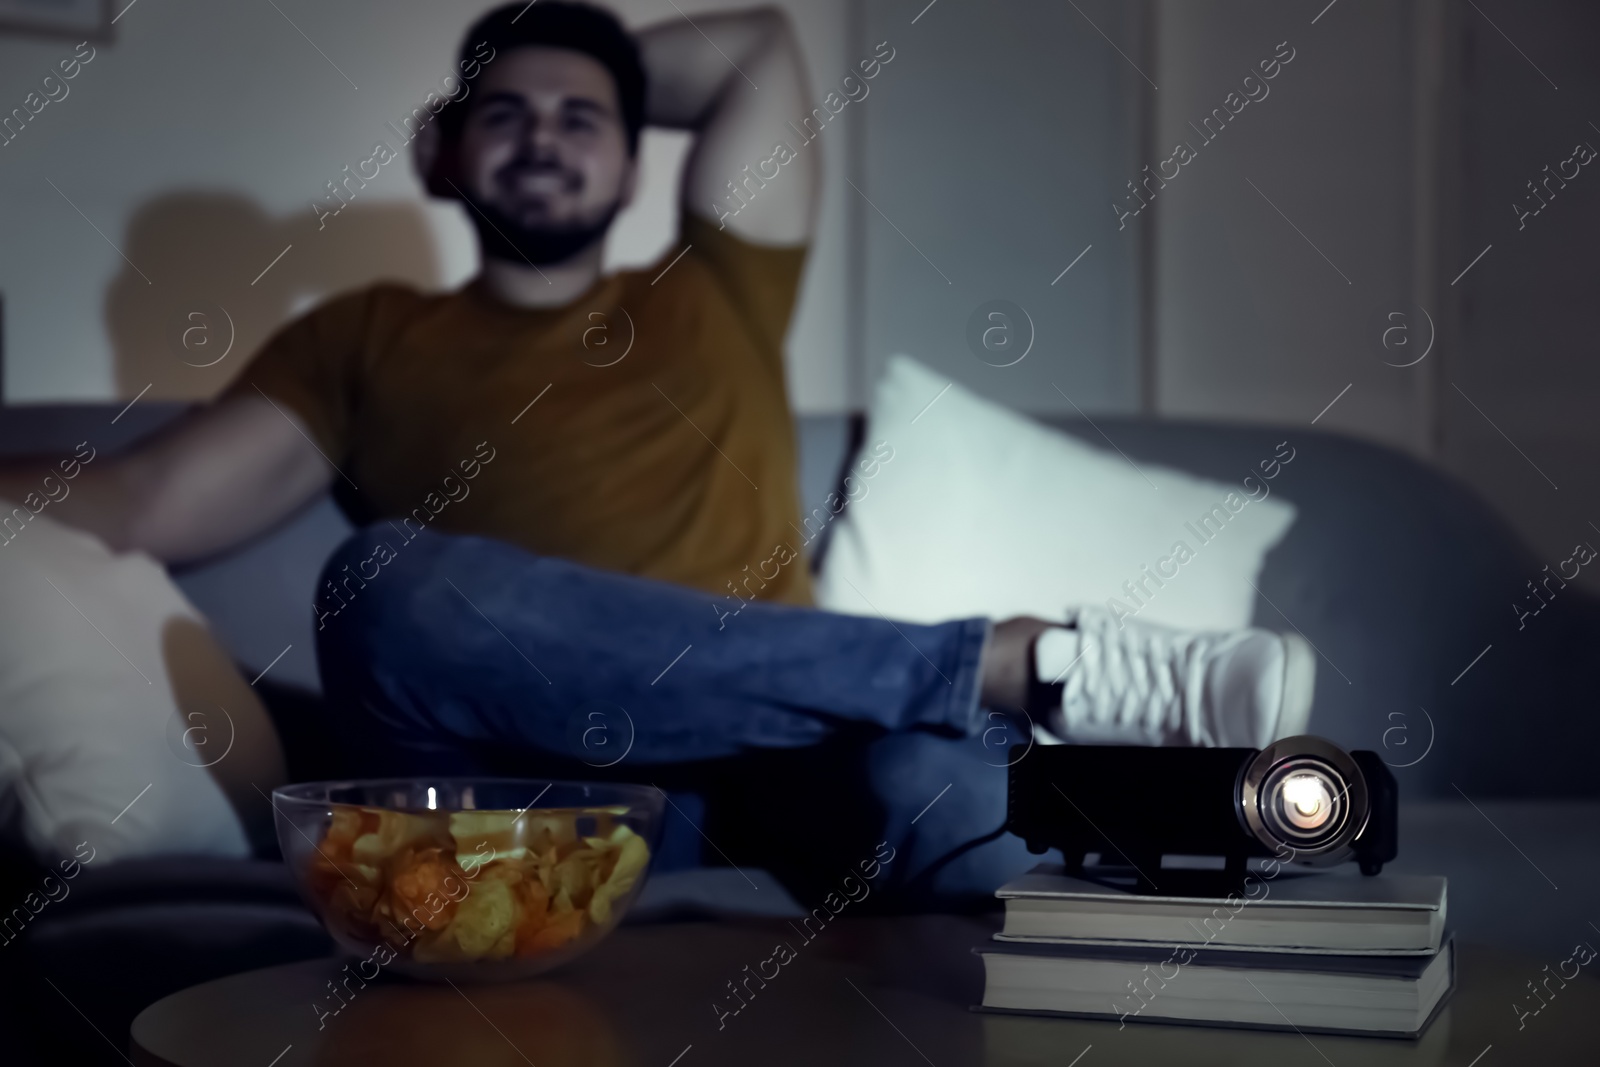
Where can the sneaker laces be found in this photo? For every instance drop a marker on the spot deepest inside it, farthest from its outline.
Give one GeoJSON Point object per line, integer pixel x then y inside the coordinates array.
{"type": "Point", "coordinates": [1147, 677]}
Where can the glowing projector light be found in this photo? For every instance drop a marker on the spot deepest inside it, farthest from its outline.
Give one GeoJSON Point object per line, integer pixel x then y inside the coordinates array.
{"type": "Point", "coordinates": [1306, 795]}
{"type": "Point", "coordinates": [1301, 799]}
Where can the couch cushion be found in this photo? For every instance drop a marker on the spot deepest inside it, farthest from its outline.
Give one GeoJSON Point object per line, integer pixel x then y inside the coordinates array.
{"type": "Point", "coordinates": [960, 507]}
{"type": "Point", "coordinates": [125, 729]}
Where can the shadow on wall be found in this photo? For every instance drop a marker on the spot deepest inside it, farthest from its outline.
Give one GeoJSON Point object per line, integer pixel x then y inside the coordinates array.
{"type": "Point", "coordinates": [210, 287]}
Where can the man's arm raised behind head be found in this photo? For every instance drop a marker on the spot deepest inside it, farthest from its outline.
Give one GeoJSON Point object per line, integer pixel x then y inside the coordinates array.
{"type": "Point", "coordinates": [218, 477]}
{"type": "Point", "coordinates": [735, 80]}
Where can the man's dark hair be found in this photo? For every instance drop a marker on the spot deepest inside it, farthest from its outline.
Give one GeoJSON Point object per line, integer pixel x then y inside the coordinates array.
{"type": "Point", "coordinates": [580, 27]}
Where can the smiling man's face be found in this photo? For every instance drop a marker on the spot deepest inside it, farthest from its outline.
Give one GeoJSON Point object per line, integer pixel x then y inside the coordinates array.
{"type": "Point", "coordinates": [544, 154]}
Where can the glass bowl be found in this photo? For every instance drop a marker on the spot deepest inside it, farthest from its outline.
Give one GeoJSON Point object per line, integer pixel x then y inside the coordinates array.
{"type": "Point", "coordinates": [467, 879]}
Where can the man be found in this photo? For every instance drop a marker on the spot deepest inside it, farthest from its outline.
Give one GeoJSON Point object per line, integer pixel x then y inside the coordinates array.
{"type": "Point", "coordinates": [563, 473]}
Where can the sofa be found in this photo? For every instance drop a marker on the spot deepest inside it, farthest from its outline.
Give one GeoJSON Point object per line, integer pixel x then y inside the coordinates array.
{"type": "Point", "coordinates": [1398, 575]}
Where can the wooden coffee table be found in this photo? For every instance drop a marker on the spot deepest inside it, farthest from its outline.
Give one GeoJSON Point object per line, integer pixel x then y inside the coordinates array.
{"type": "Point", "coordinates": [865, 991]}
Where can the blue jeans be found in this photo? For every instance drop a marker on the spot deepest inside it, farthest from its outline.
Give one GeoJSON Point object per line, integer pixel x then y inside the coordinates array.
{"type": "Point", "coordinates": [787, 738]}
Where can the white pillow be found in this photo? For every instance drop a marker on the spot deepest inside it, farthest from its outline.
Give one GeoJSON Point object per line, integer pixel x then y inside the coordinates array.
{"type": "Point", "coordinates": [983, 512]}
{"type": "Point", "coordinates": [117, 706]}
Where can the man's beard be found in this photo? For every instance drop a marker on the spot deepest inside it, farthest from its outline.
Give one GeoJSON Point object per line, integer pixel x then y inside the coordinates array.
{"type": "Point", "coordinates": [502, 237]}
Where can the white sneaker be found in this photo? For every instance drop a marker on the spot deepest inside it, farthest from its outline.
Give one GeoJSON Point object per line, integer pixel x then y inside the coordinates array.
{"type": "Point", "coordinates": [1145, 684]}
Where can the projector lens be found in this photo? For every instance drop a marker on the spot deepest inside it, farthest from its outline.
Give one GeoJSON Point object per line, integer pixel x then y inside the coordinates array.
{"type": "Point", "coordinates": [1305, 793]}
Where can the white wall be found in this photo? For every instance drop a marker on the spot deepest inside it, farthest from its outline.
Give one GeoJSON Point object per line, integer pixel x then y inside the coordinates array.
{"type": "Point", "coordinates": [1396, 142]}
{"type": "Point", "coordinates": [1525, 344]}
{"type": "Point", "coordinates": [196, 141]}
{"type": "Point", "coordinates": [1252, 320]}
{"type": "Point", "coordinates": [991, 148]}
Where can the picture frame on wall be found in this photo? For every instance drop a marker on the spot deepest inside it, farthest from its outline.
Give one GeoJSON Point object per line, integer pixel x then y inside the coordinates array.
{"type": "Point", "coordinates": [82, 19]}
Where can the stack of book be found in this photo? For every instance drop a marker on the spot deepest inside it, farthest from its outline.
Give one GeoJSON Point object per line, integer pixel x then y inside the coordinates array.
{"type": "Point", "coordinates": [1315, 952]}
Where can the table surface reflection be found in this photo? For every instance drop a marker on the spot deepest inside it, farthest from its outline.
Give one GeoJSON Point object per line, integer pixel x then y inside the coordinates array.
{"type": "Point", "coordinates": [864, 991]}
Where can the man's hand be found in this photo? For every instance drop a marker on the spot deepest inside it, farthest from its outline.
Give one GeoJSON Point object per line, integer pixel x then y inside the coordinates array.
{"type": "Point", "coordinates": [736, 80]}
{"type": "Point", "coordinates": [218, 477]}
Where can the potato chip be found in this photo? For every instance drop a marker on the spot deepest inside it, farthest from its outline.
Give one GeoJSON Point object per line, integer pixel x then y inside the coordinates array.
{"type": "Point", "coordinates": [394, 831]}
{"type": "Point", "coordinates": [423, 884]}
{"type": "Point", "coordinates": [555, 934]}
{"type": "Point", "coordinates": [489, 912]}
{"type": "Point", "coordinates": [632, 857]}
{"type": "Point", "coordinates": [485, 836]}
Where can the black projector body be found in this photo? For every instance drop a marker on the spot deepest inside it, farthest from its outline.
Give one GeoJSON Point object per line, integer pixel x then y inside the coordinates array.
{"type": "Point", "coordinates": [1302, 799]}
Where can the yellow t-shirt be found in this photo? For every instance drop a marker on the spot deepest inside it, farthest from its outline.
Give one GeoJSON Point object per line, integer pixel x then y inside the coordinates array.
{"type": "Point", "coordinates": [658, 441]}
